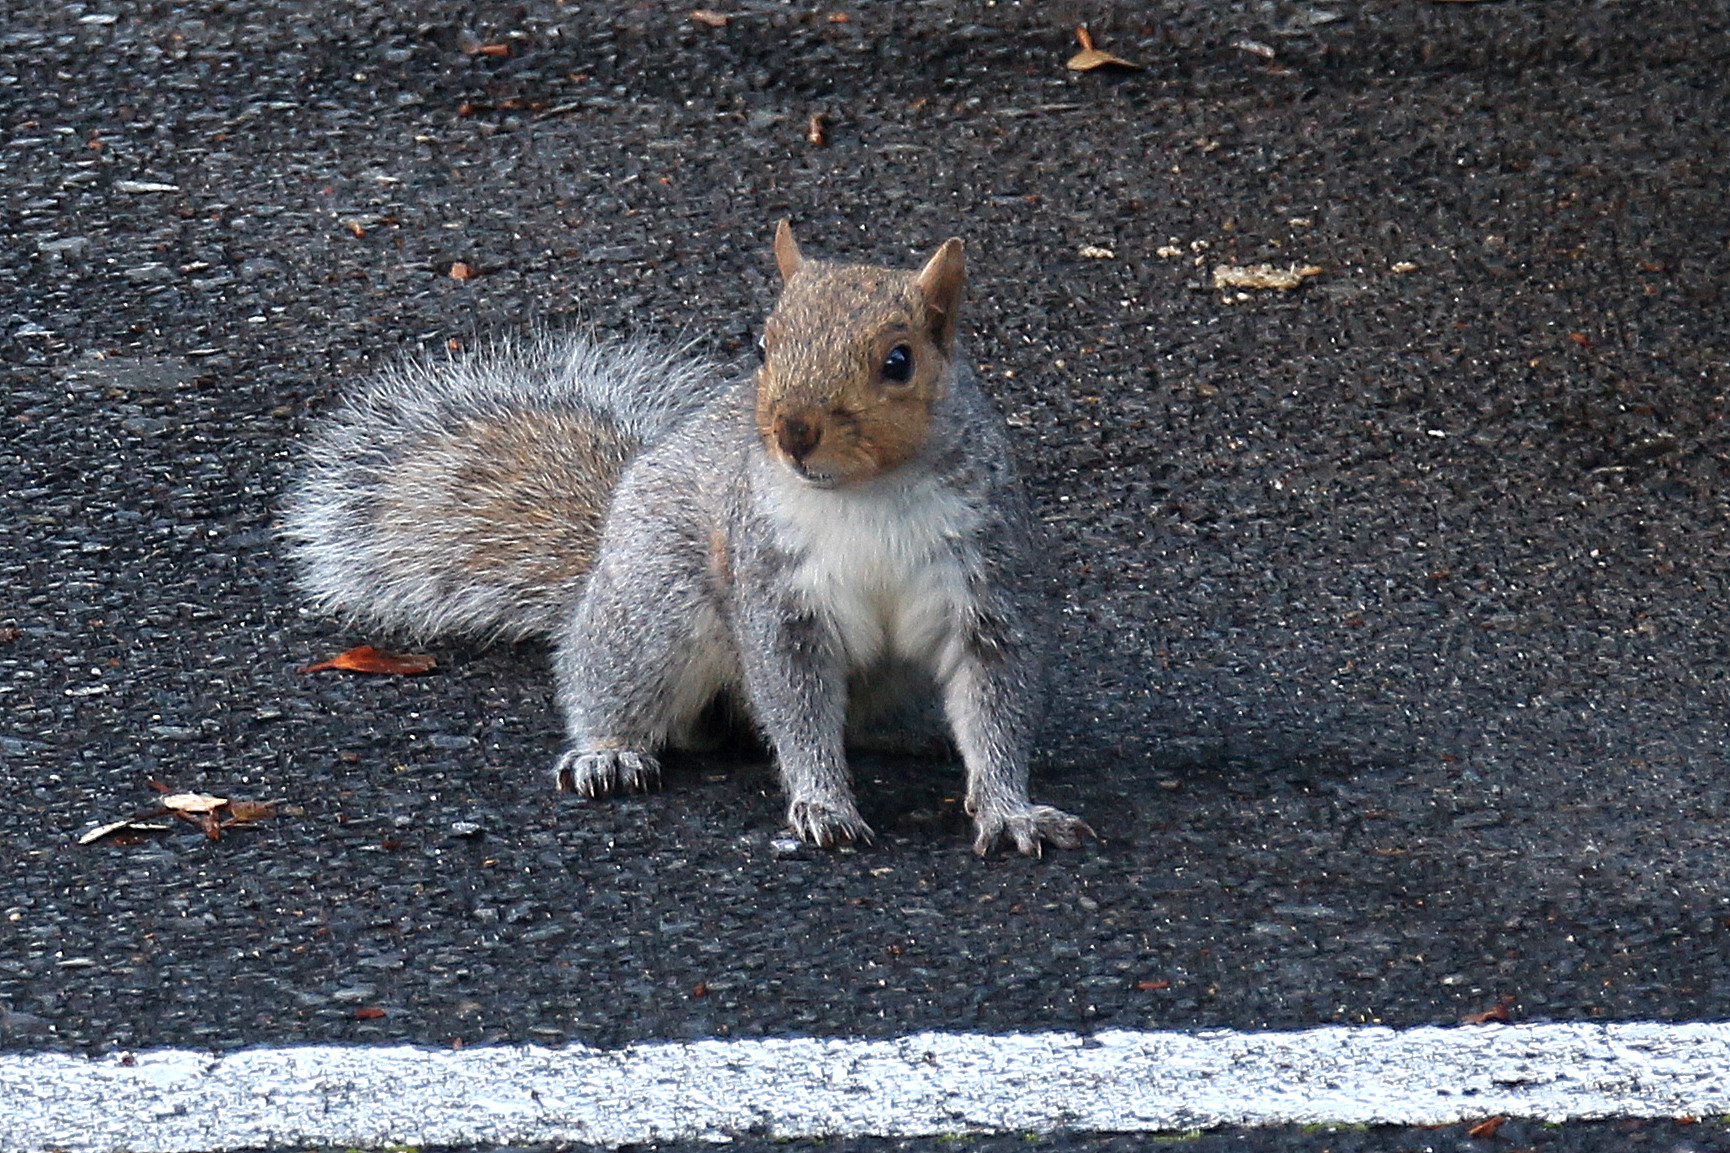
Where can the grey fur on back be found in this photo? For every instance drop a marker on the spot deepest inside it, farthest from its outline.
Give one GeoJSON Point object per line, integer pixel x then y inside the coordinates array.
{"type": "Point", "coordinates": [466, 496]}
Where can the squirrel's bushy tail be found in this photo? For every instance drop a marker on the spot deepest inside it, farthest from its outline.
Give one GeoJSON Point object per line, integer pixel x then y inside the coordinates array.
{"type": "Point", "coordinates": [466, 497]}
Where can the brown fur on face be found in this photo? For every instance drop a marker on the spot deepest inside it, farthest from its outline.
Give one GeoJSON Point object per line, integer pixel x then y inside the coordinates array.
{"type": "Point", "coordinates": [825, 407]}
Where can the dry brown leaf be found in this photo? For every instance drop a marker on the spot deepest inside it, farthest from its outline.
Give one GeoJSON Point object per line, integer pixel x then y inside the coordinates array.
{"type": "Point", "coordinates": [192, 802]}
{"type": "Point", "coordinates": [366, 659]}
{"type": "Point", "coordinates": [130, 825]}
{"type": "Point", "coordinates": [473, 45]}
{"type": "Point", "coordinates": [710, 17]}
{"type": "Point", "coordinates": [1090, 57]}
{"type": "Point", "coordinates": [461, 271]}
{"type": "Point", "coordinates": [245, 812]}
{"type": "Point", "coordinates": [369, 1013]}
{"type": "Point", "coordinates": [817, 130]}
{"type": "Point", "coordinates": [1261, 276]}
{"type": "Point", "coordinates": [1499, 1012]}
{"type": "Point", "coordinates": [101, 831]}
{"type": "Point", "coordinates": [210, 813]}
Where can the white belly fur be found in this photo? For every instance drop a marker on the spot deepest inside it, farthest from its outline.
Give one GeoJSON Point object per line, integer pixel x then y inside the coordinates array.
{"type": "Point", "coordinates": [882, 564]}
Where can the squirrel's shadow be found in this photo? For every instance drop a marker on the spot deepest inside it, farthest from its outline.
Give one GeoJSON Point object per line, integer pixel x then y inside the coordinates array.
{"type": "Point", "coordinates": [911, 783]}
{"type": "Point", "coordinates": [909, 780]}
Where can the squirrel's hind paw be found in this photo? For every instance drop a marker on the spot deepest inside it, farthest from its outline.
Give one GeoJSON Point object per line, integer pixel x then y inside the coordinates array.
{"type": "Point", "coordinates": [827, 825]}
{"type": "Point", "coordinates": [595, 774]}
{"type": "Point", "coordinates": [1029, 829]}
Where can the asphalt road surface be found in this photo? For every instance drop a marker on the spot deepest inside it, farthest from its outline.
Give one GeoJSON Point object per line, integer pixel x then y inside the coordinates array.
{"type": "Point", "coordinates": [1392, 668]}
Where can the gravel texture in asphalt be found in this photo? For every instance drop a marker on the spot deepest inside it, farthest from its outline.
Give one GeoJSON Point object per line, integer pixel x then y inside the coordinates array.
{"type": "Point", "coordinates": [1391, 658]}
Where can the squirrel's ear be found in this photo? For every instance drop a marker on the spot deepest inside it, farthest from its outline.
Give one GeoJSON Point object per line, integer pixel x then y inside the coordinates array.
{"type": "Point", "coordinates": [941, 281]}
{"type": "Point", "coordinates": [787, 256]}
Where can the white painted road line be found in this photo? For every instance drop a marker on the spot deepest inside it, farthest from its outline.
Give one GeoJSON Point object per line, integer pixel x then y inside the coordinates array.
{"type": "Point", "coordinates": [175, 1101]}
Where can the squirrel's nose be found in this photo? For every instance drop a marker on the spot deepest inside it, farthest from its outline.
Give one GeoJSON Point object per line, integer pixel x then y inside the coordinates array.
{"type": "Point", "coordinates": [797, 436]}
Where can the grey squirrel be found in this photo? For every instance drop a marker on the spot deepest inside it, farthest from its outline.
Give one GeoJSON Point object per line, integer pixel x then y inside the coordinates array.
{"type": "Point", "coordinates": [835, 543]}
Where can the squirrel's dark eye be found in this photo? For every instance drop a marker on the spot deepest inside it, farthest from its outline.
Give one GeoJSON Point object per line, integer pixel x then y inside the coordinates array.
{"type": "Point", "coordinates": [898, 365]}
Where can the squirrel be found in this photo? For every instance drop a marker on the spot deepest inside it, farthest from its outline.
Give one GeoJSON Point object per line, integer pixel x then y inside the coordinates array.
{"type": "Point", "coordinates": [836, 543]}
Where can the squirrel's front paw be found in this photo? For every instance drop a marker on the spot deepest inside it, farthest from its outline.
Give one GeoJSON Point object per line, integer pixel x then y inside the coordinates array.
{"type": "Point", "coordinates": [1029, 827]}
{"type": "Point", "coordinates": [828, 824]}
{"type": "Point", "coordinates": [595, 774]}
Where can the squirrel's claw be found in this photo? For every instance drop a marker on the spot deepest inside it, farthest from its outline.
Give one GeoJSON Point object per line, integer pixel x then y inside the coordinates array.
{"type": "Point", "coordinates": [1030, 828]}
{"type": "Point", "coordinates": [595, 774]}
{"type": "Point", "coordinates": [828, 825]}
